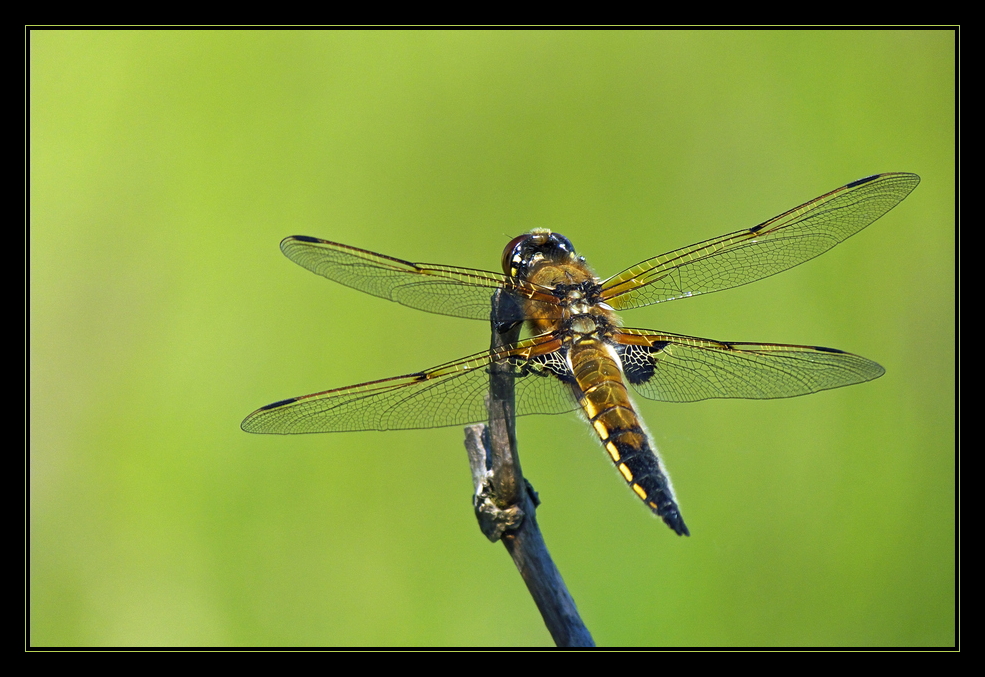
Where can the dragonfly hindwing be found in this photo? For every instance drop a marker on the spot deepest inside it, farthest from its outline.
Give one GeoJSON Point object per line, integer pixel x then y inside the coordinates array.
{"type": "Point", "coordinates": [637, 361]}
{"type": "Point", "coordinates": [552, 364]}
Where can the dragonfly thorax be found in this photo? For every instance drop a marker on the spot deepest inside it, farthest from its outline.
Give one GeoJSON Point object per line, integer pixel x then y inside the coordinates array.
{"type": "Point", "coordinates": [583, 324]}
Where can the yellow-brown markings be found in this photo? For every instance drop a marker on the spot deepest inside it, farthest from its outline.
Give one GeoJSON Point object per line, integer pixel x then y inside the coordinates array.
{"type": "Point", "coordinates": [603, 394]}
{"type": "Point", "coordinates": [605, 400]}
{"type": "Point", "coordinates": [626, 472]}
{"type": "Point", "coordinates": [617, 417]}
{"type": "Point", "coordinates": [613, 451]}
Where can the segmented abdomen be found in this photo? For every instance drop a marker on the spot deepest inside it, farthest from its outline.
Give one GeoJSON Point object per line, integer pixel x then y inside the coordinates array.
{"type": "Point", "coordinates": [602, 394]}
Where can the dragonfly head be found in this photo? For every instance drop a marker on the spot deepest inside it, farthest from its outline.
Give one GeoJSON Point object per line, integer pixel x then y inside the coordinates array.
{"type": "Point", "coordinates": [529, 249]}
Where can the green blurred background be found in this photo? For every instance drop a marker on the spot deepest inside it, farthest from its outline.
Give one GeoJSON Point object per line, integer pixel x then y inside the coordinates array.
{"type": "Point", "coordinates": [167, 166]}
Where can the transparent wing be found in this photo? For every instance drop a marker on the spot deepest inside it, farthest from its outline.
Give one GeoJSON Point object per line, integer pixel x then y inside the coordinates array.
{"type": "Point", "coordinates": [673, 368]}
{"type": "Point", "coordinates": [448, 395]}
{"type": "Point", "coordinates": [460, 292]}
{"type": "Point", "coordinates": [769, 248]}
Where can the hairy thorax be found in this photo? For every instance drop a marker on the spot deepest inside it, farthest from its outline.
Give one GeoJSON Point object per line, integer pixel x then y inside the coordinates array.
{"type": "Point", "coordinates": [582, 315]}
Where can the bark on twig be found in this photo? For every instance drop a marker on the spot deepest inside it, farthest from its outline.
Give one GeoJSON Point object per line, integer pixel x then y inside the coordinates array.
{"type": "Point", "coordinates": [505, 503]}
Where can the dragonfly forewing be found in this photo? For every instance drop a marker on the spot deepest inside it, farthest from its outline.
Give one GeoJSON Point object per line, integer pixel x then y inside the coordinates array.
{"type": "Point", "coordinates": [752, 254]}
{"type": "Point", "coordinates": [444, 290]}
{"type": "Point", "coordinates": [451, 394]}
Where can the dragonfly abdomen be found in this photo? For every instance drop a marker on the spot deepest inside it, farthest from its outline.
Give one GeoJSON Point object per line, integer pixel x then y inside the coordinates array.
{"type": "Point", "coordinates": [603, 396]}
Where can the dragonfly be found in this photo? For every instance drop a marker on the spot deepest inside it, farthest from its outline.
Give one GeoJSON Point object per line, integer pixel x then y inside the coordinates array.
{"type": "Point", "coordinates": [576, 353]}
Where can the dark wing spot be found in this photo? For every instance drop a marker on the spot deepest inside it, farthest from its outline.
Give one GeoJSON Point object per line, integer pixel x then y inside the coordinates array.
{"type": "Point", "coordinates": [828, 350]}
{"type": "Point", "coordinates": [861, 181]}
{"type": "Point", "coordinates": [305, 238]}
{"type": "Point", "coordinates": [637, 361]}
{"type": "Point", "coordinates": [756, 229]}
{"type": "Point", "coordinates": [279, 404]}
